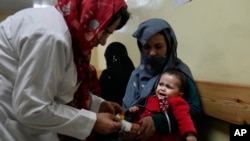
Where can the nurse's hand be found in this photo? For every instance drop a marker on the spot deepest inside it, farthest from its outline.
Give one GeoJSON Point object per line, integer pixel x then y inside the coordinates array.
{"type": "Point", "coordinates": [107, 123]}
{"type": "Point", "coordinates": [111, 107]}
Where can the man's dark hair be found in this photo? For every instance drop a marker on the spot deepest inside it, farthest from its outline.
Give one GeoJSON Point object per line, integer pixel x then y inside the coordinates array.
{"type": "Point", "coordinates": [124, 14]}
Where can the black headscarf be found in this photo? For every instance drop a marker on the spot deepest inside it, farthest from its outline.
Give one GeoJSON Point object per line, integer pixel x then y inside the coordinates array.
{"type": "Point", "coordinates": [114, 78]}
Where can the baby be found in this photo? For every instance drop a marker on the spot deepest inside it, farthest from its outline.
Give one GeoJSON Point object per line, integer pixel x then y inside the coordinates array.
{"type": "Point", "coordinates": [168, 98]}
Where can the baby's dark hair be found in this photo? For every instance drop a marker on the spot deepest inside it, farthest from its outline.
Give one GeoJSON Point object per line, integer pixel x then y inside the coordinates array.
{"type": "Point", "coordinates": [181, 76]}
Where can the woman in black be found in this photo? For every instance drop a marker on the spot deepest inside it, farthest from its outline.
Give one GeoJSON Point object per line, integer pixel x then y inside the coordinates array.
{"type": "Point", "coordinates": [114, 78]}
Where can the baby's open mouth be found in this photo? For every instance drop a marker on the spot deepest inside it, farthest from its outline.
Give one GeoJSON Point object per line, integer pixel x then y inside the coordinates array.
{"type": "Point", "coordinates": [162, 94]}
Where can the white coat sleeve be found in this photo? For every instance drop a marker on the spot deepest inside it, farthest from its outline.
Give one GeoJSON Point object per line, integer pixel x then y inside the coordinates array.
{"type": "Point", "coordinates": [46, 75]}
{"type": "Point", "coordinates": [96, 102]}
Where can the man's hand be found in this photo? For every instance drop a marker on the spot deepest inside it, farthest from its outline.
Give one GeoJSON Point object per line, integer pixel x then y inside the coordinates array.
{"type": "Point", "coordinates": [107, 123]}
{"type": "Point", "coordinates": [111, 107]}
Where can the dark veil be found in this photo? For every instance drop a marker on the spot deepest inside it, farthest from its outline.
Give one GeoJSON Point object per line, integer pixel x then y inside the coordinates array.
{"type": "Point", "coordinates": [114, 78]}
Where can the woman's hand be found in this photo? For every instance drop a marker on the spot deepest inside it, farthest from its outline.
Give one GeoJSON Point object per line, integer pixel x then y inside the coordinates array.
{"type": "Point", "coordinates": [111, 107]}
{"type": "Point", "coordinates": [147, 128]}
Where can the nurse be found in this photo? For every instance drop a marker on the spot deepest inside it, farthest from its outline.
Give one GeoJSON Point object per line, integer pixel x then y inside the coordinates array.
{"type": "Point", "coordinates": [45, 60]}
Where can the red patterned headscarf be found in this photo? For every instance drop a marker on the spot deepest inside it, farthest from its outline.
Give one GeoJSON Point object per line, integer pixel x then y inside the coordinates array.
{"type": "Point", "coordinates": [86, 19]}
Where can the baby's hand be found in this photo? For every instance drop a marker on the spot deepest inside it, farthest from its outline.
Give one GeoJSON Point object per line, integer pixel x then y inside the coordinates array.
{"type": "Point", "coordinates": [191, 138]}
{"type": "Point", "coordinates": [134, 109]}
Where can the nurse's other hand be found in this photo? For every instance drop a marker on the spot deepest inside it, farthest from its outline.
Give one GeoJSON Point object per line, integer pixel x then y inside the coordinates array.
{"type": "Point", "coordinates": [107, 123]}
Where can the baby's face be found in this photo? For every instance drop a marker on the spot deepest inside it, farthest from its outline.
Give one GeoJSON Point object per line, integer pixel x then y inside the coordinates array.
{"type": "Point", "coordinates": [168, 86]}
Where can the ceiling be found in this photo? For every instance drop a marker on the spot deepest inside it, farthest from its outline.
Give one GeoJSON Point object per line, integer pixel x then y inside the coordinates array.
{"type": "Point", "coordinates": [11, 6]}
